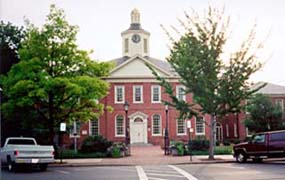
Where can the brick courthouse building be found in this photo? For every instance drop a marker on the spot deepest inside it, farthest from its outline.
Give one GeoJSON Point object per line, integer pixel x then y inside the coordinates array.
{"type": "Point", "coordinates": [131, 81]}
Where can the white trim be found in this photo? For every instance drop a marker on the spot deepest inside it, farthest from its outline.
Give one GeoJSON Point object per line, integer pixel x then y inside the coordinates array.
{"type": "Point", "coordinates": [143, 59]}
{"type": "Point", "coordinates": [123, 94]}
{"type": "Point", "coordinates": [235, 130]}
{"type": "Point", "coordinates": [185, 129]}
{"type": "Point", "coordinates": [160, 125]}
{"type": "Point", "coordinates": [159, 92]}
{"type": "Point", "coordinates": [204, 128]}
{"type": "Point", "coordinates": [177, 92]}
{"type": "Point", "coordinates": [220, 128]}
{"type": "Point", "coordinates": [227, 130]}
{"type": "Point", "coordinates": [90, 127]}
{"type": "Point", "coordinates": [134, 94]}
{"type": "Point", "coordinates": [124, 128]}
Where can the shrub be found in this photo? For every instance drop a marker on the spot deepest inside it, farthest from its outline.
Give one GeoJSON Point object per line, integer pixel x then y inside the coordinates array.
{"type": "Point", "coordinates": [180, 148]}
{"type": "Point", "coordinates": [199, 144]}
{"type": "Point", "coordinates": [95, 144]}
{"type": "Point", "coordinates": [117, 150]}
{"type": "Point", "coordinates": [70, 154]}
{"type": "Point", "coordinates": [116, 153]}
{"type": "Point", "coordinates": [236, 141]}
{"type": "Point", "coordinates": [226, 143]}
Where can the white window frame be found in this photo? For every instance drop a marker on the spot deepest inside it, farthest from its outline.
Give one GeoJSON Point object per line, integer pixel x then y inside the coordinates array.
{"type": "Point", "coordinates": [124, 124]}
{"type": "Point", "coordinates": [134, 93]}
{"type": "Point", "coordinates": [90, 127]}
{"type": "Point", "coordinates": [160, 129]}
{"type": "Point", "coordinates": [177, 92]}
{"type": "Point", "coordinates": [185, 129]}
{"type": "Point", "coordinates": [123, 95]}
{"type": "Point", "coordinates": [77, 127]}
{"type": "Point", "coordinates": [280, 102]}
{"type": "Point", "coordinates": [227, 130]}
{"type": "Point", "coordinates": [204, 128]}
{"type": "Point", "coordinates": [126, 45]}
{"type": "Point", "coordinates": [159, 93]}
{"type": "Point", "coordinates": [235, 130]}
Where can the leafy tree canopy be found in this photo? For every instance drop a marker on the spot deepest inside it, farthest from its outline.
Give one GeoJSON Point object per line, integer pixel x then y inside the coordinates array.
{"type": "Point", "coordinates": [217, 83]}
{"type": "Point", "coordinates": [263, 114]}
{"type": "Point", "coordinates": [54, 77]}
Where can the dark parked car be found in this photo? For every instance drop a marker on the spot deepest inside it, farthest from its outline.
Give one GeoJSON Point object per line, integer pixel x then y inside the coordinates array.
{"type": "Point", "coordinates": [263, 145]}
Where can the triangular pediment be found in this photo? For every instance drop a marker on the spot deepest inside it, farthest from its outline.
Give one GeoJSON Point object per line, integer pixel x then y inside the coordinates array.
{"type": "Point", "coordinates": [136, 67]}
{"type": "Point", "coordinates": [138, 114]}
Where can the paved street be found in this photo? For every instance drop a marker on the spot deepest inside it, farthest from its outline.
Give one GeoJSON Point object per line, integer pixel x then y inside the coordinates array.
{"type": "Point", "coordinates": [219, 171]}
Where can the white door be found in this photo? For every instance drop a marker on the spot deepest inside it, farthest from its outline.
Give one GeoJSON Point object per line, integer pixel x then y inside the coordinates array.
{"type": "Point", "coordinates": [138, 131]}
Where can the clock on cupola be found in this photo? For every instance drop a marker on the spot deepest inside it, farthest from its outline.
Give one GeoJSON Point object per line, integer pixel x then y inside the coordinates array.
{"type": "Point", "coordinates": [135, 40]}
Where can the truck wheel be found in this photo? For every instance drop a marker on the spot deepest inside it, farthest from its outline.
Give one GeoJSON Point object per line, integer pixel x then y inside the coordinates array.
{"type": "Point", "coordinates": [241, 157]}
{"type": "Point", "coordinates": [43, 167]}
{"type": "Point", "coordinates": [11, 165]}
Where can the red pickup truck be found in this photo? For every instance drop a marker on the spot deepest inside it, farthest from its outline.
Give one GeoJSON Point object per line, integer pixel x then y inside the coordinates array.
{"type": "Point", "coordinates": [263, 145]}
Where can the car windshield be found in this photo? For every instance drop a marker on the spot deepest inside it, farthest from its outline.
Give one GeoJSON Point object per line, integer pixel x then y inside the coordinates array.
{"type": "Point", "coordinates": [21, 142]}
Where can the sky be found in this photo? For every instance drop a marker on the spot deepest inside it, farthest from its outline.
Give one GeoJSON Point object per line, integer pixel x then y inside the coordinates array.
{"type": "Point", "coordinates": [102, 21]}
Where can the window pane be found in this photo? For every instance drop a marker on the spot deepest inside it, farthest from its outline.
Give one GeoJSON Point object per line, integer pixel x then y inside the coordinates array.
{"type": "Point", "coordinates": [119, 94]}
{"type": "Point", "coordinates": [138, 94]}
{"type": "Point", "coordinates": [181, 126]}
{"type": "Point", "coordinates": [95, 127]}
{"type": "Point", "coordinates": [120, 125]}
{"type": "Point", "coordinates": [155, 93]}
{"type": "Point", "coordinates": [200, 125]}
{"type": "Point", "coordinates": [156, 124]}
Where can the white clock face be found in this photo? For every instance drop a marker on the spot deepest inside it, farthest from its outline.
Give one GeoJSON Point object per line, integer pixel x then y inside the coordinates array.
{"type": "Point", "coordinates": [136, 38]}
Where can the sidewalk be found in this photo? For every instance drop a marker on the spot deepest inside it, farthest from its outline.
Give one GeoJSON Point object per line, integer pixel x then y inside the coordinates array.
{"type": "Point", "coordinates": [144, 155]}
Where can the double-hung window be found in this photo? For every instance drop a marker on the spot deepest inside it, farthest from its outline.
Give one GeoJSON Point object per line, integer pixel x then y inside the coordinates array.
{"type": "Point", "coordinates": [120, 125]}
{"type": "Point", "coordinates": [119, 94]}
{"type": "Point", "coordinates": [137, 94]}
{"type": "Point", "coordinates": [156, 125]}
{"type": "Point", "coordinates": [181, 127]}
{"type": "Point", "coordinates": [280, 103]}
{"type": "Point", "coordinates": [200, 126]}
{"type": "Point", "coordinates": [180, 92]}
{"type": "Point", "coordinates": [94, 127]}
{"type": "Point", "coordinates": [155, 94]}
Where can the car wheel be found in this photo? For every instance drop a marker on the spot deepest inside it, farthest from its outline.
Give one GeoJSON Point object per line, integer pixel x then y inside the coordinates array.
{"type": "Point", "coordinates": [241, 157]}
{"type": "Point", "coordinates": [43, 167]}
{"type": "Point", "coordinates": [11, 166]}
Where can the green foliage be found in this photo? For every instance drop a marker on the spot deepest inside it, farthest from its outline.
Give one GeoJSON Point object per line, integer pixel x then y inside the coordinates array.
{"type": "Point", "coordinates": [10, 38]}
{"type": "Point", "coordinates": [226, 143]}
{"type": "Point", "coordinates": [199, 144]}
{"type": "Point", "coordinates": [116, 153]}
{"type": "Point", "coordinates": [217, 83]}
{"type": "Point", "coordinates": [95, 144]}
{"type": "Point", "coordinates": [71, 154]}
{"type": "Point", "coordinates": [54, 79]}
{"type": "Point", "coordinates": [263, 114]}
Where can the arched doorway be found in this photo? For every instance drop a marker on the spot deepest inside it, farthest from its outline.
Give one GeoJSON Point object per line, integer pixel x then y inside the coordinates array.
{"type": "Point", "coordinates": [219, 132]}
{"type": "Point", "coordinates": [138, 128]}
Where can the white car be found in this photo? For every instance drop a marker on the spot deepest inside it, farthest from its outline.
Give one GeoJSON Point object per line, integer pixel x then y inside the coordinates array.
{"type": "Point", "coordinates": [25, 150]}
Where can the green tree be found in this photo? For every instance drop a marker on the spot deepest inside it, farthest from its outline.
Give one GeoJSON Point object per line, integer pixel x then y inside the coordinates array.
{"type": "Point", "coordinates": [10, 39]}
{"type": "Point", "coordinates": [54, 80]}
{"type": "Point", "coordinates": [218, 83]}
{"type": "Point", "coordinates": [263, 114]}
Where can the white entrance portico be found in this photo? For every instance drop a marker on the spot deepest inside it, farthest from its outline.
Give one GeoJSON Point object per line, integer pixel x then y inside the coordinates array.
{"type": "Point", "coordinates": [138, 128]}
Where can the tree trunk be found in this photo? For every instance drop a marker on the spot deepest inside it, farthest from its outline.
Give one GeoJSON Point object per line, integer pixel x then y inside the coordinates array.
{"type": "Point", "coordinates": [212, 137]}
{"type": "Point", "coordinates": [51, 119]}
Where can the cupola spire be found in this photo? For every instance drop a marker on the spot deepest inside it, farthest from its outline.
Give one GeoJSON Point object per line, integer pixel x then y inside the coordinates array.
{"type": "Point", "coordinates": [135, 16]}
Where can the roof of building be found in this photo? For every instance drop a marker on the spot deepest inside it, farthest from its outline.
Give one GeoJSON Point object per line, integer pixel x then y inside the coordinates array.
{"type": "Point", "coordinates": [270, 88]}
{"type": "Point", "coordinates": [163, 64]}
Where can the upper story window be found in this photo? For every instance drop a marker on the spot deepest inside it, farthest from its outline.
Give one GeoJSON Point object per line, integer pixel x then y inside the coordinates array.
{"type": "Point", "coordinates": [126, 45]}
{"type": "Point", "coordinates": [137, 94]}
{"type": "Point", "coordinates": [280, 103]}
{"type": "Point", "coordinates": [181, 127]}
{"type": "Point", "coordinates": [180, 92]}
{"type": "Point", "coordinates": [145, 45]}
{"type": "Point", "coordinates": [120, 125]}
{"type": "Point", "coordinates": [74, 129]}
{"type": "Point", "coordinates": [94, 127]}
{"type": "Point", "coordinates": [156, 125]}
{"type": "Point", "coordinates": [200, 126]}
{"type": "Point", "coordinates": [119, 94]}
{"type": "Point", "coordinates": [155, 94]}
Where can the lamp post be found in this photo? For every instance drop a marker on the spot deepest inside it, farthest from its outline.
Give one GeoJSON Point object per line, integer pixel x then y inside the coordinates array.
{"type": "Point", "coordinates": [126, 107]}
{"type": "Point", "coordinates": [166, 132]}
{"type": "Point", "coordinates": [0, 111]}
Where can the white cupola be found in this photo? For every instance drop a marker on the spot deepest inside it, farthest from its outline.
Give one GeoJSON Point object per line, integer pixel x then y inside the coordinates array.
{"type": "Point", "coordinates": [135, 40]}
